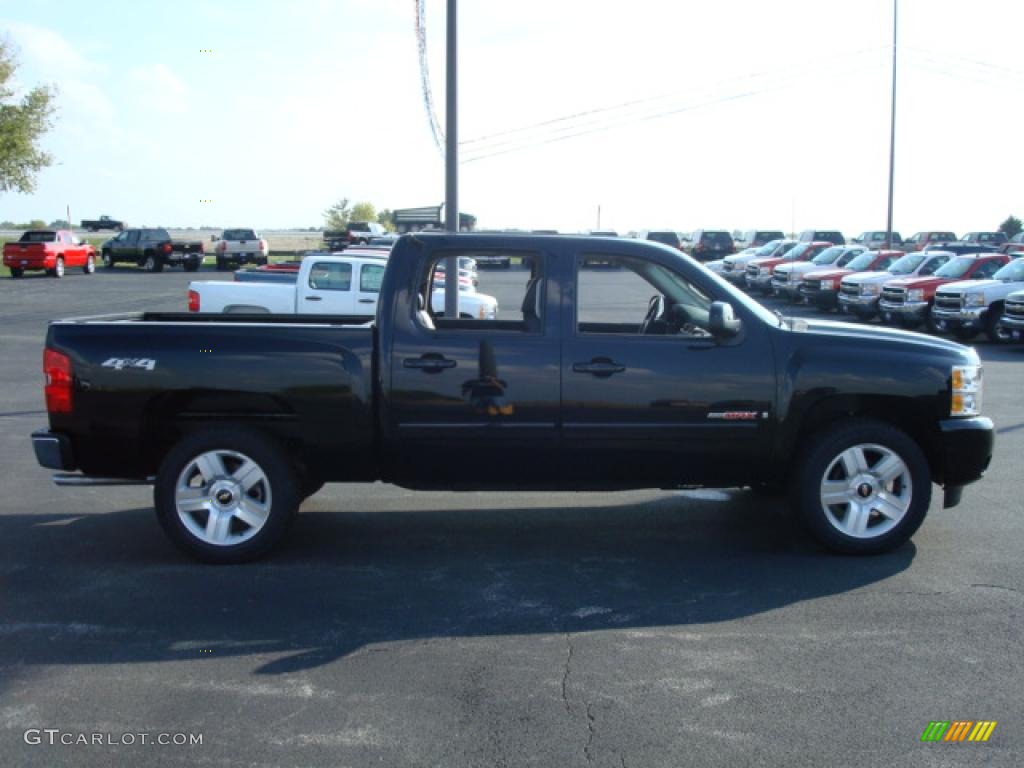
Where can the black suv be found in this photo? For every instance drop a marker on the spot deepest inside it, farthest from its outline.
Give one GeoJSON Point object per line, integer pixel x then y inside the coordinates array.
{"type": "Point", "coordinates": [829, 235]}
{"type": "Point", "coordinates": [666, 236]}
{"type": "Point", "coordinates": [710, 244]}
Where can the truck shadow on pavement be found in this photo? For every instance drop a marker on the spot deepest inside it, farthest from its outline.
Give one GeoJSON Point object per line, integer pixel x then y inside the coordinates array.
{"type": "Point", "coordinates": [107, 588]}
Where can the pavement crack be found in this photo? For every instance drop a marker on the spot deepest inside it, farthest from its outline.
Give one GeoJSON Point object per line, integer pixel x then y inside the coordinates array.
{"type": "Point", "coordinates": [565, 672]}
{"type": "Point", "coordinates": [590, 734]}
{"type": "Point", "coordinates": [996, 586]}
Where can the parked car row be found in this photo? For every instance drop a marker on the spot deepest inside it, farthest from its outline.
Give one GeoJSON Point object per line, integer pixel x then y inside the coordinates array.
{"type": "Point", "coordinates": [960, 289]}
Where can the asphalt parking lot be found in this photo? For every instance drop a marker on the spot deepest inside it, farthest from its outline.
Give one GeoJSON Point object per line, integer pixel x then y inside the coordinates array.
{"type": "Point", "coordinates": [437, 629]}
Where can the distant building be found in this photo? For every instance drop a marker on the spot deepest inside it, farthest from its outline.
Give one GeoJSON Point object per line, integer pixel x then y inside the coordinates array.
{"type": "Point", "coordinates": [431, 217]}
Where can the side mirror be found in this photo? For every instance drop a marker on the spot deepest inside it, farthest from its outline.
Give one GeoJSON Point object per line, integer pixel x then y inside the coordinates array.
{"type": "Point", "coordinates": [722, 321]}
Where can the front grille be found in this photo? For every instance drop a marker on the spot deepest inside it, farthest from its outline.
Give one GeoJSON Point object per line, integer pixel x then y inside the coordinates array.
{"type": "Point", "coordinates": [1016, 309]}
{"type": "Point", "coordinates": [849, 290]}
{"type": "Point", "coordinates": [947, 301]}
{"type": "Point", "coordinates": [752, 270]}
{"type": "Point", "coordinates": [894, 295]}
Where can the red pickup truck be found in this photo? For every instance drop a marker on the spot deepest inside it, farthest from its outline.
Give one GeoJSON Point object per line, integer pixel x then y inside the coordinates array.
{"type": "Point", "coordinates": [908, 300]}
{"type": "Point", "coordinates": [51, 249]}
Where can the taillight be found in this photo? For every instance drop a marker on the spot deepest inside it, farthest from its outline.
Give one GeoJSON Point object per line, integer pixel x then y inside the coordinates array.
{"type": "Point", "coordinates": [167, 248]}
{"type": "Point", "coordinates": [57, 370]}
{"type": "Point", "coordinates": [263, 245]}
{"type": "Point", "coordinates": [193, 301]}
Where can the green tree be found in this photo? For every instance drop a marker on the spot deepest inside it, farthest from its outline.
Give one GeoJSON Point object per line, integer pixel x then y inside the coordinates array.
{"type": "Point", "coordinates": [22, 124]}
{"type": "Point", "coordinates": [338, 215]}
{"type": "Point", "coordinates": [363, 212]}
{"type": "Point", "coordinates": [386, 219]}
{"type": "Point", "coordinates": [1011, 227]}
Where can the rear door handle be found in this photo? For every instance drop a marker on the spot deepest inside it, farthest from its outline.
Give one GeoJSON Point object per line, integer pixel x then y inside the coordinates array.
{"type": "Point", "coordinates": [314, 298]}
{"type": "Point", "coordinates": [366, 301]}
{"type": "Point", "coordinates": [429, 363]}
{"type": "Point", "coordinates": [599, 366]}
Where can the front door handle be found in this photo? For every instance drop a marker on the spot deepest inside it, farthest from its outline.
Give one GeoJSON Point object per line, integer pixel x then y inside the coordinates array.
{"type": "Point", "coordinates": [429, 363]}
{"type": "Point", "coordinates": [599, 366]}
{"type": "Point", "coordinates": [314, 298]}
{"type": "Point", "coordinates": [366, 301]}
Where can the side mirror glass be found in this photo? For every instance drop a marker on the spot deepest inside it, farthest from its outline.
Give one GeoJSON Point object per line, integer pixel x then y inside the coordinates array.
{"type": "Point", "coordinates": [722, 320]}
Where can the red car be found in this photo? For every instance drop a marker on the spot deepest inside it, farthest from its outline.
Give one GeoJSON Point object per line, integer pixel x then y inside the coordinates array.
{"type": "Point", "coordinates": [921, 240]}
{"type": "Point", "coordinates": [821, 287]}
{"type": "Point", "coordinates": [908, 300]}
{"type": "Point", "coordinates": [51, 249]}
{"type": "Point", "coordinates": [759, 271]}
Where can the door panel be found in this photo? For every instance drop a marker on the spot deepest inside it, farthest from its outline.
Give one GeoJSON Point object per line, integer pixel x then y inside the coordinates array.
{"type": "Point", "coordinates": [327, 290]}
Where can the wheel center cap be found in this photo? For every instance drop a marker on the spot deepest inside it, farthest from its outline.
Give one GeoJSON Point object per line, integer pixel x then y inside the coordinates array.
{"type": "Point", "coordinates": [224, 497]}
{"type": "Point", "coordinates": [864, 490]}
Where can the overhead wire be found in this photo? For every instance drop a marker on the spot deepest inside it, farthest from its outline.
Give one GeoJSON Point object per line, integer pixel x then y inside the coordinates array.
{"type": "Point", "coordinates": [428, 97]}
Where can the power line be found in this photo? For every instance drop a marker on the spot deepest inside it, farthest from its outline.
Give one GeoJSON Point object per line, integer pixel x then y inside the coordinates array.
{"type": "Point", "coordinates": [574, 131]}
{"type": "Point", "coordinates": [428, 97]}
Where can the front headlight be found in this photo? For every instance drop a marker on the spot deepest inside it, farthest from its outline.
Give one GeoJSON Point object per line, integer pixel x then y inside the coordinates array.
{"type": "Point", "coordinates": [827, 285]}
{"type": "Point", "coordinates": [764, 271]}
{"type": "Point", "coordinates": [974, 300]}
{"type": "Point", "coordinates": [870, 289]}
{"type": "Point", "coordinates": [966, 384]}
{"type": "Point", "coordinates": [915, 294]}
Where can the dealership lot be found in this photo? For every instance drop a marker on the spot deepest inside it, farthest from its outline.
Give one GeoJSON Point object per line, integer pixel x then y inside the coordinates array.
{"type": "Point", "coordinates": [399, 628]}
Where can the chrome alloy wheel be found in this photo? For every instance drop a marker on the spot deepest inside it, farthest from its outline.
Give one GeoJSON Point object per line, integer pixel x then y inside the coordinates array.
{"type": "Point", "coordinates": [866, 491]}
{"type": "Point", "coordinates": [222, 497]}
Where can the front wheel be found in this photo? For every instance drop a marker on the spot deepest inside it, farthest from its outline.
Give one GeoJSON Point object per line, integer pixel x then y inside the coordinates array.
{"type": "Point", "coordinates": [862, 487]}
{"type": "Point", "coordinates": [90, 264]}
{"type": "Point", "coordinates": [994, 330]}
{"type": "Point", "coordinates": [226, 496]}
{"type": "Point", "coordinates": [108, 260]}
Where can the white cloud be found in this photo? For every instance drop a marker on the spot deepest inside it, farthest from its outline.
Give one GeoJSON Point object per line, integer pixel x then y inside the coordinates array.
{"type": "Point", "coordinates": [159, 88]}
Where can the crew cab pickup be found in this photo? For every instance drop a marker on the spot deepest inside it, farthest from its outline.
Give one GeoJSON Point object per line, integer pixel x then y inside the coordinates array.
{"type": "Point", "coordinates": [324, 285]}
{"type": "Point", "coordinates": [656, 374]}
{"type": "Point", "coordinates": [734, 267]}
{"type": "Point", "coordinates": [966, 308]}
{"type": "Point", "coordinates": [103, 222]}
{"type": "Point", "coordinates": [240, 246]}
{"type": "Point", "coordinates": [821, 287]}
{"type": "Point", "coordinates": [859, 292]}
{"type": "Point", "coordinates": [52, 250]}
{"type": "Point", "coordinates": [908, 300]}
{"type": "Point", "coordinates": [759, 271]}
{"type": "Point", "coordinates": [152, 249]}
{"type": "Point", "coordinates": [786, 278]}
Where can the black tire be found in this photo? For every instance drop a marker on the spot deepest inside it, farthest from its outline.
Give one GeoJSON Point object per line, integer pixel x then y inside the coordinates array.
{"type": "Point", "coordinates": [222, 264]}
{"type": "Point", "coordinates": [57, 271]}
{"type": "Point", "coordinates": [993, 330]}
{"type": "Point", "coordinates": [279, 483]}
{"type": "Point", "coordinates": [191, 266]}
{"type": "Point", "coordinates": [90, 264]}
{"type": "Point", "coordinates": [929, 321]}
{"type": "Point", "coordinates": [821, 459]}
{"type": "Point", "coordinates": [108, 260]}
{"type": "Point", "coordinates": [964, 334]}
{"type": "Point", "coordinates": [17, 272]}
{"type": "Point", "coordinates": [151, 263]}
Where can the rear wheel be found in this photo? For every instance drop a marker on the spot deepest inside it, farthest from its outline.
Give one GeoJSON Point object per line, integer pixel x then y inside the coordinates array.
{"type": "Point", "coordinates": [17, 272]}
{"type": "Point", "coordinates": [151, 263]}
{"type": "Point", "coordinates": [90, 264]}
{"type": "Point", "coordinates": [191, 266]}
{"type": "Point", "coordinates": [862, 487]}
{"type": "Point", "coordinates": [226, 496]}
{"type": "Point", "coordinates": [58, 268]}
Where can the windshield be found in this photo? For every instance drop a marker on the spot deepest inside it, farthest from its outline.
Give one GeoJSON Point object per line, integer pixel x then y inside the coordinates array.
{"type": "Point", "coordinates": [827, 256]}
{"type": "Point", "coordinates": [768, 248]}
{"type": "Point", "coordinates": [907, 264]}
{"type": "Point", "coordinates": [956, 267]}
{"type": "Point", "coordinates": [863, 261]}
{"type": "Point", "coordinates": [795, 252]}
{"type": "Point", "coordinates": [239, 234]}
{"type": "Point", "coordinates": [1012, 272]}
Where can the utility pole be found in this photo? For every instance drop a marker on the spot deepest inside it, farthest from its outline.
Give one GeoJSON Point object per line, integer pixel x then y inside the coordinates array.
{"type": "Point", "coordinates": [451, 164]}
{"type": "Point", "coordinates": [598, 217]}
{"type": "Point", "coordinates": [892, 130]}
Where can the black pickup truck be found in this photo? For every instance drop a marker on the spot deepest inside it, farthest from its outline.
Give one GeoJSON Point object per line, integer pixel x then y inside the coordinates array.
{"type": "Point", "coordinates": [152, 249]}
{"type": "Point", "coordinates": [655, 374]}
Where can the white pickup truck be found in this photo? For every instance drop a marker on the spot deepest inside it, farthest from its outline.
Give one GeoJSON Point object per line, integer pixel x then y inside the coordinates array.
{"type": "Point", "coordinates": [241, 246]}
{"type": "Point", "coordinates": [859, 293]}
{"type": "Point", "coordinates": [325, 285]}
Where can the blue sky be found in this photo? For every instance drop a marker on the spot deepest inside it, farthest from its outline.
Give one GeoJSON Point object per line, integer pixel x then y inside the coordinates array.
{"type": "Point", "coordinates": [729, 114]}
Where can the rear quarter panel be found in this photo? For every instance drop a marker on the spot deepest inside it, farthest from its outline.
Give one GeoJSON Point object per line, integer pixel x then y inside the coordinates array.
{"type": "Point", "coordinates": [309, 386]}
